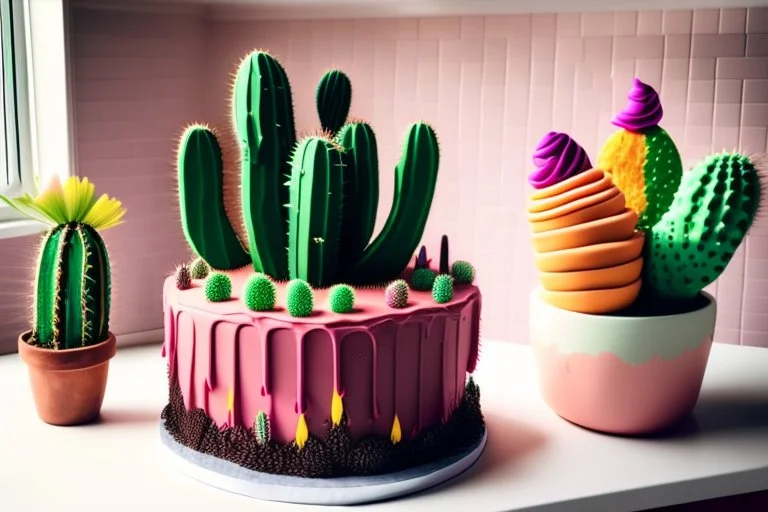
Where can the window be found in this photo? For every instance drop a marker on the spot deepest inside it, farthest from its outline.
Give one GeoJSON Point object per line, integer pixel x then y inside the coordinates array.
{"type": "Point", "coordinates": [34, 80]}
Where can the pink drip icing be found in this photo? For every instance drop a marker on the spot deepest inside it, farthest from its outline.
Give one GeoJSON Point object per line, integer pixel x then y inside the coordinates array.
{"type": "Point", "coordinates": [264, 340]}
{"type": "Point", "coordinates": [375, 372]}
{"type": "Point", "coordinates": [335, 349]}
{"type": "Point", "coordinates": [299, 407]}
{"type": "Point", "coordinates": [210, 378]}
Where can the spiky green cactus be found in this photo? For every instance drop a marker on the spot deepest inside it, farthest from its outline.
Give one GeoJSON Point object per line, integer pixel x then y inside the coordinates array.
{"type": "Point", "coordinates": [259, 293]}
{"type": "Point", "coordinates": [263, 120]}
{"type": "Point", "coordinates": [442, 289]}
{"type": "Point", "coordinates": [314, 218]}
{"type": "Point", "coordinates": [709, 217]}
{"type": "Point", "coordinates": [333, 98]}
{"type": "Point", "coordinates": [361, 189]}
{"type": "Point", "coordinates": [261, 428]}
{"type": "Point", "coordinates": [463, 272]}
{"type": "Point", "coordinates": [341, 298]}
{"type": "Point", "coordinates": [422, 279]}
{"type": "Point", "coordinates": [218, 287]}
{"type": "Point", "coordinates": [73, 289]}
{"type": "Point", "coordinates": [201, 193]}
{"type": "Point", "coordinates": [299, 299]}
{"type": "Point", "coordinates": [415, 180]}
{"type": "Point", "coordinates": [199, 269]}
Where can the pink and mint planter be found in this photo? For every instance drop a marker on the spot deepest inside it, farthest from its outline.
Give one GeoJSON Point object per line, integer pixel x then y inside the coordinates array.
{"type": "Point", "coordinates": [621, 375]}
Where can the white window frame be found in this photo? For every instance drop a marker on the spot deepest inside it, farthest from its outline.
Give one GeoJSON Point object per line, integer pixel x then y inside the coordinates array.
{"type": "Point", "coordinates": [41, 121]}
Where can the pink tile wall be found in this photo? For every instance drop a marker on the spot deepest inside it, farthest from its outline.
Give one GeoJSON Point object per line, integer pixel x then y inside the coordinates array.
{"type": "Point", "coordinates": [137, 81]}
{"type": "Point", "coordinates": [493, 86]}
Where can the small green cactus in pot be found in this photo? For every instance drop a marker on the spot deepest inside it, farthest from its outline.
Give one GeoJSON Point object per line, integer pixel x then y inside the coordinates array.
{"type": "Point", "coordinates": [72, 297]}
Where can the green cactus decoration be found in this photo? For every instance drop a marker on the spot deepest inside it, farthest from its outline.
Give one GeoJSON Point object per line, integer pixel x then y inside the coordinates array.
{"type": "Point", "coordinates": [463, 272]}
{"type": "Point", "coordinates": [327, 212]}
{"type": "Point", "coordinates": [415, 179]}
{"type": "Point", "coordinates": [442, 289]}
{"type": "Point", "coordinates": [709, 217]}
{"type": "Point", "coordinates": [299, 299]}
{"type": "Point", "coordinates": [333, 99]}
{"type": "Point", "coordinates": [315, 210]}
{"type": "Point", "coordinates": [199, 269]}
{"type": "Point", "coordinates": [259, 293]}
{"type": "Point", "coordinates": [73, 289]}
{"type": "Point", "coordinates": [422, 279]}
{"type": "Point", "coordinates": [261, 428]}
{"type": "Point", "coordinates": [201, 195]}
{"type": "Point", "coordinates": [341, 298]}
{"type": "Point", "coordinates": [361, 189]}
{"type": "Point", "coordinates": [396, 294]}
{"type": "Point", "coordinates": [218, 287]}
{"type": "Point", "coordinates": [183, 277]}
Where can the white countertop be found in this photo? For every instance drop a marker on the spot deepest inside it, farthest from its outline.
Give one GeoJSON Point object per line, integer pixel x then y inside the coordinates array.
{"type": "Point", "coordinates": [534, 460]}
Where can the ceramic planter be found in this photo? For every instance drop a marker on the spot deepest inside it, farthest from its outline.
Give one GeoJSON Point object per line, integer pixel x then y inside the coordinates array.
{"type": "Point", "coordinates": [68, 385]}
{"type": "Point", "coordinates": [621, 375]}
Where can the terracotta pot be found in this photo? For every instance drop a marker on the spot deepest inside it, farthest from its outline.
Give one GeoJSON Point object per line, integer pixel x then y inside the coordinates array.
{"type": "Point", "coordinates": [68, 385]}
{"type": "Point", "coordinates": [591, 257]}
{"type": "Point", "coordinates": [621, 375]}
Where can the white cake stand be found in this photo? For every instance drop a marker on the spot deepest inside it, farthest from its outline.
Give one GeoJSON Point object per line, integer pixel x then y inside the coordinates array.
{"type": "Point", "coordinates": [353, 490]}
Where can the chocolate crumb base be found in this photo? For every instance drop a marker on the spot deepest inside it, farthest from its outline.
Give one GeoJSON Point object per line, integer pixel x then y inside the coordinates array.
{"type": "Point", "coordinates": [335, 455]}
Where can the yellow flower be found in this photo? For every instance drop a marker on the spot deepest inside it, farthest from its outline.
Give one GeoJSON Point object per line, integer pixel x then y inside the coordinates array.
{"type": "Point", "coordinates": [73, 202]}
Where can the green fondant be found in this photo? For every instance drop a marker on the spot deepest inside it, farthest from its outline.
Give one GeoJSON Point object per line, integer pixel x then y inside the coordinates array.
{"type": "Point", "coordinates": [634, 340]}
{"type": "Point", "coordinates": [442, 288]}
{"type": "Point", "coordinates": [696, 238]}
{"type": "Point", "coordinates": [333, 98]}
{"type": "Point", "coordinates": [341, 298]}
{"type": "Point", "coordinates": [415, 179]}
{"type": "Point", "coordinates": [72, 296]}
{"type": "Point", "coordinates": [361, 189]}
{"type": "Point", "coordinates": [314, 214]}
{"type": "Point", "coordinates": [463, 272]}
{"type": "Point", "coordinates": [299, 299]}
{"type": "Point", "coordinates": [663, 171]}
{"type": "Point", "coordinates": [218, 287]}
{"type": "Point", "coordinates": [422, 279]}
{"type": "Point", "coordinates": [201, 199]}
{"type": "Point", "coordinates": [259, 293]}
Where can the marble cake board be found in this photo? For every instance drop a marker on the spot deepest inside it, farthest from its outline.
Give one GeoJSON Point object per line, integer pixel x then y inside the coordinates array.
{"type": "Point", "coordinates": [352, 490]}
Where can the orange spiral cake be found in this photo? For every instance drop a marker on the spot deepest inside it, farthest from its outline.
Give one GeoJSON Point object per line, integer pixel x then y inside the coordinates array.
{"type": "Point", "coordinates": [588, 253]}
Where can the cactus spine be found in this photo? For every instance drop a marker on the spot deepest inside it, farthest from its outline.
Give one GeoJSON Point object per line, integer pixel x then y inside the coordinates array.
{"type": "Point", "coordinates": [709, 217]}
{"type": "Point", "coordinates": [314, 221]}
{"type": "Point", "coordinates": [201, 198]}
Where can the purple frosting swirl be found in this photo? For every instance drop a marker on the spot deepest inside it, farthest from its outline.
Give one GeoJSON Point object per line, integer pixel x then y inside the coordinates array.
{"type": "Point", "coordinates": [557, 158]}
{"type": "Point", "coordinates": [643, 110]}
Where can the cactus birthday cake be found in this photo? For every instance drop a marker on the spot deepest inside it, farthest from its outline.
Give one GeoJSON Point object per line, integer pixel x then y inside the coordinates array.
{"type": "Point", "coordinates": [299, 342]}
{"type": "Point", "coordinates": [635, 233]}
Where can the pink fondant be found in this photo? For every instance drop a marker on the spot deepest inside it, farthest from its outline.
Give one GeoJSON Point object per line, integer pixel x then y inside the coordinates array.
{"type": "Point", "coordinates": [411, 361]}
{"type": "Point", "coordinates": [604, 393]}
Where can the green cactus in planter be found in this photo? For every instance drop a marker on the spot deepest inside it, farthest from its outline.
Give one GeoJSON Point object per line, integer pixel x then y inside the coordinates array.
{"type": "Point", "coordinates": [697, 236]}
{"type": "Point", "coordinates": [72, 292]}
{"type": "Point", "coordinates": [324, 212]}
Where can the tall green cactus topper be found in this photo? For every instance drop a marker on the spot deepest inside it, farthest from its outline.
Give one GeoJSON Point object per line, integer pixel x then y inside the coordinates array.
{"type": "Point", "coordinates": [72, 291]}
{"type": "Point", "coordinates": [310, 205]}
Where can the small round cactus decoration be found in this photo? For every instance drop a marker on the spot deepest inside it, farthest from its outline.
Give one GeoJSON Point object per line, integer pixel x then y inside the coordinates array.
{"type": "Point", "coordinates": [341, 298]}
{"type": "Point", "coordinates": [422, 279]}
{"type": "Point", "coordinates": [396, 294]}
{"type": "Point", "coordinates": [183, 277]}
{"type": "Point", "coordinates": [463, 272]}
{"type": "Point", "coordinates": [218, 287]}
{"type": "Point", "coordinates": [299, 299]}
{"type": "Point", "coordinates": [442, 289]}
{"type": "Point", "coordinates": [259, 293]}
{"type": "Point", "coordinates": [199, 269]}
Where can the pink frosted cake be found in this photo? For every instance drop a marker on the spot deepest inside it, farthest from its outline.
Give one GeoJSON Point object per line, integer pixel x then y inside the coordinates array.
{"type": "Point", "coordinates": [344, 354]}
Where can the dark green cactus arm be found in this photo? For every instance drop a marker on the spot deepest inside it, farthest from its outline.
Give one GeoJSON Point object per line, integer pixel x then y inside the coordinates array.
{"type": "Point", "coordinates": [315, 211]}
{"type": "Point", "coordinates": [709, 217]}
{"type": "Point", "coordinates": [333, 99]}
{"type": "Point", "coordinates": [73, 293]}
{"type": "Point", "coordinates": [361, 189]}
{"type": "Point", "coordinates": [263, 119]}
{"type": "Point", "coordinates": [201, 199]}
{"type": "Point", "coordinates": [415, 179]}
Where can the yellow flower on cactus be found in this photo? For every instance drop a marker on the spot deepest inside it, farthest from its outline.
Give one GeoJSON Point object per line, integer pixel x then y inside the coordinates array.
{"type": "Point", "coordinates": [74, 201]}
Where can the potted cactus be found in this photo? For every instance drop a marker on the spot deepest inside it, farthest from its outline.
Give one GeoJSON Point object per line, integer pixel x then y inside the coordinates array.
{"type": "Point", "coordinates": [69, 346]}
{"type": "Point", "coordinates": [621, 325]}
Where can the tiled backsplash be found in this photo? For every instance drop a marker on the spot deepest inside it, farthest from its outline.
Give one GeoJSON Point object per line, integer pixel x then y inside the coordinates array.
{"type": "Point", "coordinates": [492, 86]}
